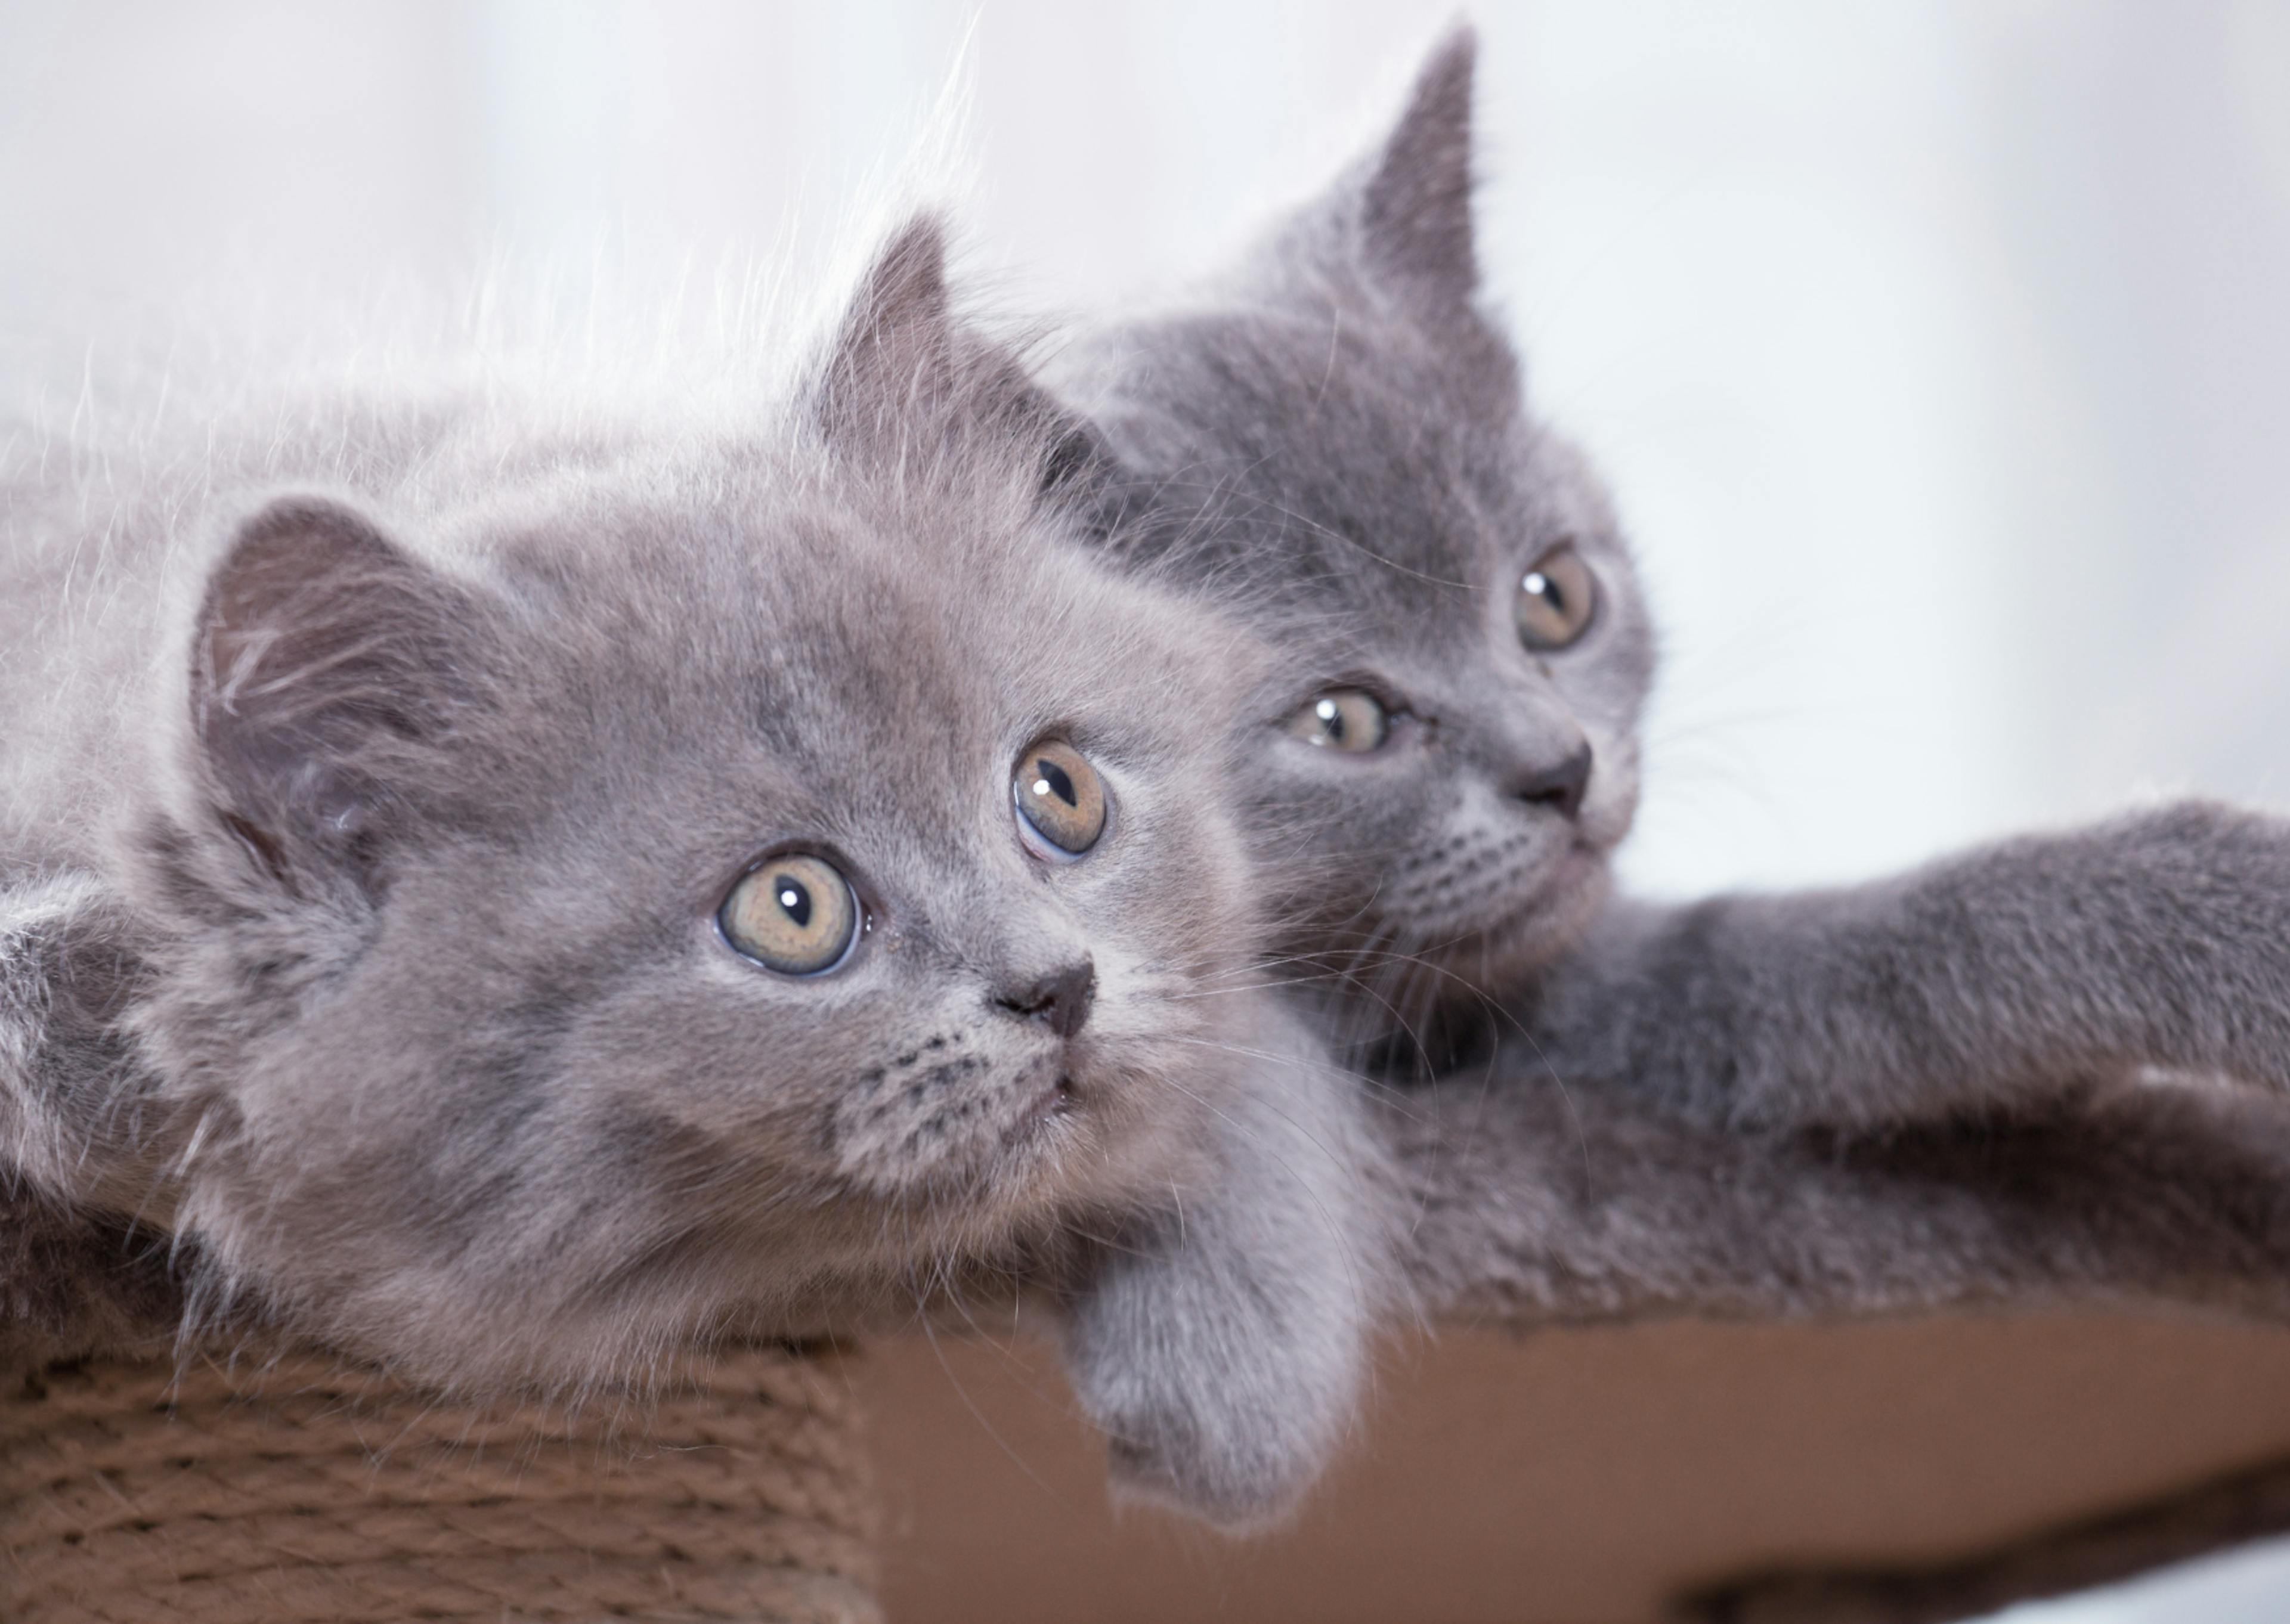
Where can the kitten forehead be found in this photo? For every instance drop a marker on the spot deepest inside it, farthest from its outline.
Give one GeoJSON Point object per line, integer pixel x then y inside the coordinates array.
{"type": "Point", "coordinates": [960, 606]}
{"type": "Point", "coordinates": [1321, 455]}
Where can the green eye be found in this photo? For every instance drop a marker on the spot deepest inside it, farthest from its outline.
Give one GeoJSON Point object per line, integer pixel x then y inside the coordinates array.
{"type": "Point", "coordinates": [1060, 797]}
{"type": "Point", "coordinates": [793, 914]}
{"type": "Point", "coordinates": [1349, 719]}
{"type": "Point", "coordinates": [1556, 598]}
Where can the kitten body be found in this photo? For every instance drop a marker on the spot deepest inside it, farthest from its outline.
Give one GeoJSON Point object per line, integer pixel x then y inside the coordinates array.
{"type": "Point", "coordinates": [1334, 440]}
{"type": "Point", "coordinates": [374, 773]}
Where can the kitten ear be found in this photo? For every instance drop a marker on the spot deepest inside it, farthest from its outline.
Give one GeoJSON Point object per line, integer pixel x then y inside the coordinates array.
{"type": "Point", "coordinates": [324, 656]}
{"type": "Point", "coordinates": [901, 364]}
{"type": "Point", "coordinates": [1415, 204]}
{"type": "Point", "coordinates": [893, 356]}
{"type": "Point", "coordinates": [1075, 470]}
{"type": "Point", "coordinates": [1080, 465]}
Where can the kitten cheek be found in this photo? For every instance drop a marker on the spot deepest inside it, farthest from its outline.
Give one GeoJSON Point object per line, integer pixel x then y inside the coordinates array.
{"type": "Point", "coordinates": [1611, 807]}
{"type": "Point", "coordinates": [950, 1113]}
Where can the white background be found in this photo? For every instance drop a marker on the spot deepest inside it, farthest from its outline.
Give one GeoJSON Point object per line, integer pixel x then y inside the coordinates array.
{"type": "Point", "coordinates": [1940, 354]}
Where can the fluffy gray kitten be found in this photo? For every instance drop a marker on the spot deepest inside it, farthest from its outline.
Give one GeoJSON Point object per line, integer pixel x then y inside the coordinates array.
{"type": "Point", "coordinates": [511, 892]}
{"type": "Point", "coordinates": [1333, 439]}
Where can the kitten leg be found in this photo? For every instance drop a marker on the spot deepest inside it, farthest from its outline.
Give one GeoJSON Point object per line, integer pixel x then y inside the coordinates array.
{"type": "Point", "coordinates": [2161, 939]}
{"type": "Point", "coordinates": [1222, 1346]}
{"type": "Point", "coordinates": [1530, 1204]}
{"type": "Point", "coordinates": [76, 1145]}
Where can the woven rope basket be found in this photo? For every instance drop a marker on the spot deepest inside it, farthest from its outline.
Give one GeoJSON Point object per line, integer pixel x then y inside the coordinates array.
{"type": "Point", "coordinates": [306, 1490]}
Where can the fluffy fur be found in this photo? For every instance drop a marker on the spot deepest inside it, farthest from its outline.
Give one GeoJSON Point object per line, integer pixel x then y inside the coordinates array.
{"type": "Point", "coordinates": [361, 947]}
{"type": "Point", "coordinates": [1537, 1206]}
{"type": "Point", "coordinates": [1334, 440]}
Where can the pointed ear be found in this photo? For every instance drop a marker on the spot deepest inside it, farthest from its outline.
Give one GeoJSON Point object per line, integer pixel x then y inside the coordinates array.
{"type": "Point", "coordinates": [1073, 465]}
{"type": "Point", "coordinates": [895, 354]}
{"type": "Point", "coordinates": [1080, 478]}
{"type": "Point", "coordinates": [326, 657]}
{"type": "Point", "coordinates": [1079, 461]}
{"type": "Point", "coordinates": [1415, 206]}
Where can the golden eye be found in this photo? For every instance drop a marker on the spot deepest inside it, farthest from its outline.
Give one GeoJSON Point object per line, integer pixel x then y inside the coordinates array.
{"type": "Point", "coordinates": [1556, 600]}
{"type": "Point", "coordinates": [1060, 797]}
{"type": "Point", "coordinates": [793, 914]}
{"type": "Point", "coordinates": [1349, 719]}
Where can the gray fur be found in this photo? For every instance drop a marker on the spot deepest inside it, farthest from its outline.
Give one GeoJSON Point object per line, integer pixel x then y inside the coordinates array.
{"type": "Point", "coordinates": [1541, 1206]}
{"type": "Point", "coordinates": [1334, 440]}
{"type": "Point", "coordinates": [1978, 984]}
{"type": "Point", "coordinates": [372, 777]}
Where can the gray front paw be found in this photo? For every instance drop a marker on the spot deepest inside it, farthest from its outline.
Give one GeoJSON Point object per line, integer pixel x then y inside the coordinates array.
{"type": "Point", "coordinates": [1222, 1422]}
{"type": "Point", "coordinates": [1223, 1349]}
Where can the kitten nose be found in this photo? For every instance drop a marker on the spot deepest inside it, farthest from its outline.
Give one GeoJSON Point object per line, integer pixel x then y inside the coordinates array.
{"type": "Point", "coordinates": [1560, 787]}
{"type": "Point", "coordinates": [1060, 1000]}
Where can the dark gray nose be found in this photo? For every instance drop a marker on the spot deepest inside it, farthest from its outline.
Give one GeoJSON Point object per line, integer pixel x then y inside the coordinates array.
{"type": "Point", "coordinates": [1060, 1000]}
{"type": "Point", "coordinates": [1560, 786]}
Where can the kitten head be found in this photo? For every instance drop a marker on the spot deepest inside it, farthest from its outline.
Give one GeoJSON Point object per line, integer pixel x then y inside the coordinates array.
{"type": "Point", "coordinates": [732, 881]}
{"type": "Point", "coordinates": [1337, 439]}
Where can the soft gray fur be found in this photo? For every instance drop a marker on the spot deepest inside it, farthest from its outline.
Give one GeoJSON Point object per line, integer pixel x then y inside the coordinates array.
{"type": "Point", "coordinates": [373, 773]}
{"type": "Point", "coordinates": [1335, 440]}
{"type": "Point", "coordinates": [1534, 1205]}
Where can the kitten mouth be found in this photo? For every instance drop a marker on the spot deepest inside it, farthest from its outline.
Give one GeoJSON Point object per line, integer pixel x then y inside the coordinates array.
{"type": "Point", "coordinates": [1537, 928]}
{"type": "Point", "coordinates": [1058, 1099]}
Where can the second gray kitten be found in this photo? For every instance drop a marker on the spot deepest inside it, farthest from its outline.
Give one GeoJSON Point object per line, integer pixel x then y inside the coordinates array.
{"type": "Point", "coordinates": [1333, 439]}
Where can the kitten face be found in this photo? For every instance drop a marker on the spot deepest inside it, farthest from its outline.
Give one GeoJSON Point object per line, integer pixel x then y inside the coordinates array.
{"type": "Point", "coordinates": [485, 1075]}
{"type": "Point", "coordinates": [1341, 446]}
{"type": "Point", "coordinates": [1454, 792]}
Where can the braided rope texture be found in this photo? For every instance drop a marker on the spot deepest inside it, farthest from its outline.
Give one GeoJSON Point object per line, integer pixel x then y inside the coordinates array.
{"type": "Point", "coordinates": [304, 1490]}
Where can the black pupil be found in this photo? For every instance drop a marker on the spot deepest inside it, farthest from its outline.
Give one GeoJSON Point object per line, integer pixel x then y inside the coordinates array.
{"type": "Point", "coordinates": [794, 898]}
{"type": "Point", "coordinates": [1060, 784]}
{"type": "Point", "coordinates": [1549, 591]}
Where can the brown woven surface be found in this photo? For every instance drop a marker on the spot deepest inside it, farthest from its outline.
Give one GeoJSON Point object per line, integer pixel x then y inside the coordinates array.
{"type": "Point", "coordinates": [305, 1490]}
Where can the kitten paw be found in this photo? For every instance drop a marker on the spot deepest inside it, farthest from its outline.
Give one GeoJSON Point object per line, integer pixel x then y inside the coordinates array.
{"type": "Point", "coordinates": [1223, 1349]}
{"type": "Point", "coordinates": [1234, 1444]}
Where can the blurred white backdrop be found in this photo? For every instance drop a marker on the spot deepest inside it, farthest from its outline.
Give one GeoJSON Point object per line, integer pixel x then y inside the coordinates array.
{"type": "Point", "coordinates": [1940, 353]}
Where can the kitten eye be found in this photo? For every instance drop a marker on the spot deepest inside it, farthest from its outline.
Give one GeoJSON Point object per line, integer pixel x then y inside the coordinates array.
{"type": "Point", "coordinates": [1059, 797]}
{"type": "Point", "coordinates": [1349, 719]}
{"type": "Point", "coordinates": [793, 914]}
{"type": "Point", "coordinates": [1556, 600]}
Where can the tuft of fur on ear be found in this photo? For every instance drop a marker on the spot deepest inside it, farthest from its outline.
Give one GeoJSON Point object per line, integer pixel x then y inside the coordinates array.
{"type": "Point", "coordinates": [1416, 207]}
{"type": "Point", "coordinates": [323, 651]}
{"type": "Point", "coordinates": [1075, 470]}
{"type": "Point", "coordinates": [893, 361]}
{"type": "Point", "coordinates": [904, 372]}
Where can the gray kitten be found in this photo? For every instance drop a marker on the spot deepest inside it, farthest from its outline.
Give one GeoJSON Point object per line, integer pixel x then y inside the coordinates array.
{"type": "Point", "coordinates": [1335, 441]}
{"type": "Point", "coordinates": [569, 886]}
{"type": "Point", "coordinates": [1905, 1094]}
